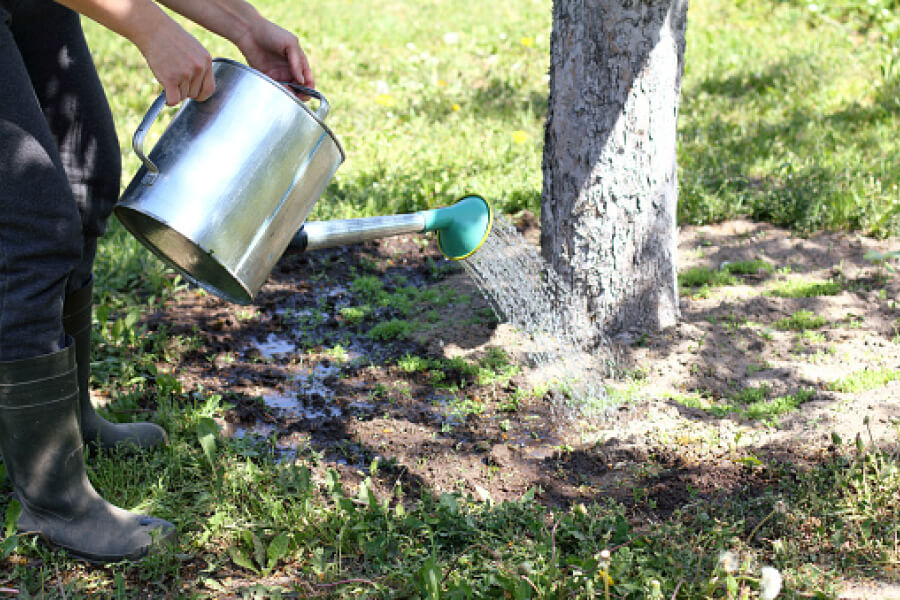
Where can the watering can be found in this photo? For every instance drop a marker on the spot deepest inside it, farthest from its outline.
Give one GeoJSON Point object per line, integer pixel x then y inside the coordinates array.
{"type": "Point", "coordinates": [227, 187]}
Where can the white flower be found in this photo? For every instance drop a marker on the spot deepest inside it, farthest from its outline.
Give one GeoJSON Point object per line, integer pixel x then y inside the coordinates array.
{"type": "Point", "coordinates": [451, 37]}
{"type": "Point", "coordinates": [769, 583]}
{"type": "Point", "coordinates": [729, 561]}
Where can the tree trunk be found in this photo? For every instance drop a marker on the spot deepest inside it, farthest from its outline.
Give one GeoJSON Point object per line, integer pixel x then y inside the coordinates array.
{"type": "Point", "coordinates": [610, 188]}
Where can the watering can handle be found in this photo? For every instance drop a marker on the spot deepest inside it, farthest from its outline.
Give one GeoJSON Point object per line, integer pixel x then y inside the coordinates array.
{"type": "Point", "coordinates": [137, 140]}
{"type": "Point", "coordinates": [322, 111]}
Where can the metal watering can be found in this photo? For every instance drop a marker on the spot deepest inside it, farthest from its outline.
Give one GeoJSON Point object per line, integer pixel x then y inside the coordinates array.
{"type": "Point", "coordinates": [227, 188]}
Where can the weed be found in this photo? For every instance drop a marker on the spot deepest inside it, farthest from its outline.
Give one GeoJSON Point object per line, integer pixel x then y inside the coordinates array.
{"type": "Point", "coordinates": [801, 320]}
{"type": "Point", "coordinates": [697, 277]}
{"type": "Point", "coordinates": [812, 337]}
{"type": "Point", "coordinates": [390, 330]}
{"type": "Point", "coordinates": [748, 267]}
{"type": "Point", "coordinates": [624, 394]}
{"type": "Point", "coordinates": [798, 288]}
{"type": "Point", "coordinates": [412, 364]}
{"type": "Point", "coordinates": [496, 368]}
{"type": "Point", "coordinates": [865, 380]}
{"type": "Point", "coordinates": [752, 395]}
{"type": "Point", "coordinates": [768, 410]}
{"type": "Point", "coordinates": [338, 354]}
{"type": "Point", "coordinates": [354, 315]}
{"type": "Point", "coordinates": [883, 260]}
{"type": "Point", "coordinates": [369, 287]}
{"type": "Point", "coordinates": [251, 551]}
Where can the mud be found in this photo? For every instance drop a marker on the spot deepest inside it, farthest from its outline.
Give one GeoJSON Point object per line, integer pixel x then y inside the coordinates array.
{"type": "Point", "coordinates": [277, 365]}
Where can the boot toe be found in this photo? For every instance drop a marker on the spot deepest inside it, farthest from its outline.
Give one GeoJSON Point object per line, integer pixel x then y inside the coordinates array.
{"type": "Point", "coordinates": [136, 538]}
{"type": "Point", "coordinates": [136, 436]}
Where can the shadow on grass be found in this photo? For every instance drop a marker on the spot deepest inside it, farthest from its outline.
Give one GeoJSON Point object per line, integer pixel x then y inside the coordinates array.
{"type": "Point", "coordinates": [814, 190]}
{"type": "Point", "coordinates": [776, 78]}
{"type": "Point", "coordinates": [496, 100]}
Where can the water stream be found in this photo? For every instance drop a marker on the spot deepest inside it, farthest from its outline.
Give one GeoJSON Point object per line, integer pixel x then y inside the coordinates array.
{"type": "Point", "coordinates": [526, 293]}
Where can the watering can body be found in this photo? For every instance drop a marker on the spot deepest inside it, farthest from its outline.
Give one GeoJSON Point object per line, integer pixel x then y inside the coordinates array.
{"type": "Point", "coordinates": [230, 180]}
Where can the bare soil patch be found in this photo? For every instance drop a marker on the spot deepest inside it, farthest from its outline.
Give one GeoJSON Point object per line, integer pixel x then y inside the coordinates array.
{"type": "Point", "coordinates": [682, 433]}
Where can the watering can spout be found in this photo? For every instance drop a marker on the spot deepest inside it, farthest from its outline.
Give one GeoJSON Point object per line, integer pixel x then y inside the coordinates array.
{"type": "Point", "coordinates": [461, 228]}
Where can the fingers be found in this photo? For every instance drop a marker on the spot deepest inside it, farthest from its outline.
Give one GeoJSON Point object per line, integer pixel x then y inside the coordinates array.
{"type": "Point", "coordinates": [299, 66]}
{"type": "Point", "coordinates": [203, 84]}
{"type": "Point", "coordinates": [192, 79]}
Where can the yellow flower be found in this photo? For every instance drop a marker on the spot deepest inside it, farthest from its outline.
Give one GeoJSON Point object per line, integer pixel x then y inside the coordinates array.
{"type": "Point", "coordinates": [442, 83]}
{"type": "Point", "coordinates": [385, 100]}
{"type": "Point", "coordinates": [520, 137]}
{"type": "Point", "coordinates": [527, 42]}
{"type": "Point", "coordinates": [455, 107]}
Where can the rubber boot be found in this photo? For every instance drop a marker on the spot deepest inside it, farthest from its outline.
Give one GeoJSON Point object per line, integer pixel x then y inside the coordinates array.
{"type": "Point", "coordinates": [95, 429]}
{"type": "Point", "coordinates": [44, 456]}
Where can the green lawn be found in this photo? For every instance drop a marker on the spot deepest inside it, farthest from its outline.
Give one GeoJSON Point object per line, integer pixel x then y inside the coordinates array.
{"type": "Point", "coordinates": [791, 115]}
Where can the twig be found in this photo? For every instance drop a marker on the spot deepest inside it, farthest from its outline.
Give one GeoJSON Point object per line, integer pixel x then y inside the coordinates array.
{"type": "Point", "coordinates": [459, 555]}
{"type": "Point", "coordinates": [62, 592]}
{"type": "Point", "coordinates": [11, 591]}
{"type": "Point", "coordinates": [553, 542]}
{"type": "Point", "coordinates": [626, 542]}
{"type": "Point", "coordinates": [677, 587]}
{"type": "Point", "coordinates": [760, 524]}
{"type": "Point", "coordinates": [400, 476]}
{"type": "Point", "coordinates": [344, 582]}
{"type": "Point", "coordinates": [534, 587]}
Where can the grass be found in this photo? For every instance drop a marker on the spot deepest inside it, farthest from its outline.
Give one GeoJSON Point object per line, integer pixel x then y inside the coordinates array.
{"type": "Point", "coordinates": [864, 381]}
{"type": "Point", "coordinates": [748, 267]}
{"type": "Point", "coordinates": [451, 545]}
{"type": "Point", "coordinates": [699, 281]}
{"type": "Point", "coordinates": [696, 277]}
{"type": "Point", "coordinates": [496, 368]}
{"type": "Point", "coordinates": [800, 288]}
{"type": "Point", "coordinates": [752, 403]}
{"type": "Point", "coordinates": [802, 320]}
{"type": "Point", "coordinates": [801, 133]}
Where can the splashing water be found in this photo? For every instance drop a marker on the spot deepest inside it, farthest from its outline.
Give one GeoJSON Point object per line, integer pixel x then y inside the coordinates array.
{"type": "Point", "coordinates": [526, 293]}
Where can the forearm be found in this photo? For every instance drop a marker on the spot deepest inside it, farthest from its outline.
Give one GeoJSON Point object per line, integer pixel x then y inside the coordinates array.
{"type": "Point", "coordinates": [231, 19]}
{"type": "Point", "coordinates": [135, 20]}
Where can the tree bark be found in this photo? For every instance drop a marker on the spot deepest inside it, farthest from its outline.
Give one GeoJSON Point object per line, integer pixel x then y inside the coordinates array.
{"type": "Point", "coordinates": [610, 186]}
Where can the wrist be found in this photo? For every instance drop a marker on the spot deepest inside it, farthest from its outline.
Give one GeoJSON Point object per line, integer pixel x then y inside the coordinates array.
{"type": "Point", "coordinates": [247, 33]}
{"type": "Point", "coordinates": [146, 25]}
{"type": "Point", "coordinates": [235, 22]}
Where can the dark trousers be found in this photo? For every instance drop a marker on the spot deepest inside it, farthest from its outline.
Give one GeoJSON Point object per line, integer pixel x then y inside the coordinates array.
{"type": "Point", "coordinates": [59, 171]}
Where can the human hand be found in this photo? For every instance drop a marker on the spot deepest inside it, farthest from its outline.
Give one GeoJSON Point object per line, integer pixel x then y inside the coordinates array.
{"type": "Point", "coordinates": [276, 52]}
{"type": "Point", "coordinates": [178, 61]}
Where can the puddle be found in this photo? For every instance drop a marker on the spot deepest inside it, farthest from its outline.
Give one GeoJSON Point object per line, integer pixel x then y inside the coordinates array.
{"type": "Point", "coordinates": [444, 412]}
{"type": "Point", "coordinates": [539, 452]}
{"type": "Point", "coordinates": [538, 448]}
{"type": "Point", "coordinates": [298, 406]}
{"type": "Point", "coordinates": [257, 429]}
{"type": "Point", "coordinates": [274, 346]}
{"type": "Point", "coordinates": [306, 397]}
{"type": "Point", "coordinates": [280, 402]}
{"type": "Point", "coordinates": [338, 290]}
{"type": "Point", "coordinates": [360, 408]}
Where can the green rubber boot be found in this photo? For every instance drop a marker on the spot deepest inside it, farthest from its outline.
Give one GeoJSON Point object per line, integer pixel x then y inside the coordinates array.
{"type": "Point", "coordinates": [95, 429]}
{"type": "Point", "coordinates": [44, 456]}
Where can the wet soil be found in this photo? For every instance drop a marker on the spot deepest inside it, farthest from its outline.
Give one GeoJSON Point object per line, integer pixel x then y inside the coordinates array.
{"type": "Point", "coordinates": [297, 367]}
